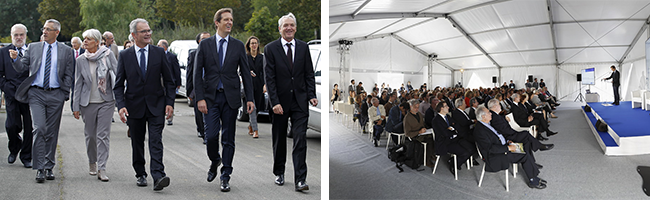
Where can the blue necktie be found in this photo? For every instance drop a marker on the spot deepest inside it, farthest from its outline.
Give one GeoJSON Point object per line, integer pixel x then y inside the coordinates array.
{"type": "Point", "coordinates": [221, 53]}
{"type": "Point", "coordinates": [143, 64]}
{"type": "Point", "coordinates": [48, 63]}
{"type": "Point", "coordinates": [447, 120]}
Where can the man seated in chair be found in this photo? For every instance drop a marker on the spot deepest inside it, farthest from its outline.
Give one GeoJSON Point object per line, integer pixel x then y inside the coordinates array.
{"type": "Point", "coordinates": [498, 152]}
{"type": "Point", "coordinates": [395, 122]}
{"type": "Point", "coordinates": [446, 138]}
{"type": "Point", "coordinates": [463, 124]}
{"type": "Point", "coordinates": [414, 129]}
{"type": "Point", "coordinates": [500, 123]}
{"type": "Point", "coordinates": [521, 116]}
{"type": "Point", "coordinates": [377, 115]}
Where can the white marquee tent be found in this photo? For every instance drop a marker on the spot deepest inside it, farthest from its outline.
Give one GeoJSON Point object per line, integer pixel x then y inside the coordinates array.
{"type": "Point", "coordinates": [442, 42]}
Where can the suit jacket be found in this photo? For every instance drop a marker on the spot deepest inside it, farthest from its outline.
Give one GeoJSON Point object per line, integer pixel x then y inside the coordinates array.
{"type": "Point", "coordinates": [153, 92]}
{"type": "Point", "coordinates": [31, 61]}
{"type": "Point", "coordinates": [412, 126]}
{"type": "Point", "coordinates": [83, 82]}
{"type": "Point", "coordinates": [9, 78]}
{"type": "Point", "coordinates": [442, 134]}
{"type": "Point", "coordinates": [257, 66]}
{"type": "Point", "coordinates": [500, 123]}
{"type": "Point", "coordinates": [372, 113]}
{"type": "Point", "coordinates": [472, 113]}
{"type": "Point", "coordinates": [189, 74]}
{"type": "Point", "coordinates": [207, 58]}
{"type": "Point", "coordinates": [115, 51]}
{"type": "Point", "coordinates": [394, 118]}
{"type": "Point", "coordinates": [493, 152]}
{"type": "Point", "coordinates": [461, 122]}
{"type": "Point", "coordinates": [283, 84]}
{"type": "Point", "coordinates": [176, 69]}
{"type": "Point", "coordinates": [616, 78]}
{"type": "Point", "coordinates": [428, 117]}
{"type": "Point", "coordinates": [520, 114]}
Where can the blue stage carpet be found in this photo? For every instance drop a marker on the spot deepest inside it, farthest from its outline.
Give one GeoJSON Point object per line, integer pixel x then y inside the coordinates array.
{"type": "Point", "coordinates": [624, 120]}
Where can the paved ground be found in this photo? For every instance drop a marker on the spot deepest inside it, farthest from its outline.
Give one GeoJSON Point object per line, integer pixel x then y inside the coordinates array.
{"type": "Point", "coordinates": [185, 160]}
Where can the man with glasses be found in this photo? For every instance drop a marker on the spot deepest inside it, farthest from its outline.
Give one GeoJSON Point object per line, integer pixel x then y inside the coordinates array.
{"type": "Point", "coordinates": [18, 115]}
{"type": "Point", "coordinates": [50, 65]}
{"type": "Point", "coordinates": [110, 43]}
{"type": "Point", "coordinates": [146, 101]}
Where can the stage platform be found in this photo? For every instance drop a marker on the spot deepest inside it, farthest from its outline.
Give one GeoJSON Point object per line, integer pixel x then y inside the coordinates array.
{"type": "Point", "coordinates": [627, 132]}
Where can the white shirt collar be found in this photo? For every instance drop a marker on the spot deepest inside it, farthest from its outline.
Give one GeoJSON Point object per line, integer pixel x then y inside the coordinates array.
{"type": "Point", "coordinates": [137, 48]}
{"type": "Point", "coordinates": [284, 42]}
{"type": "Point", "coordinates": [218, 37]}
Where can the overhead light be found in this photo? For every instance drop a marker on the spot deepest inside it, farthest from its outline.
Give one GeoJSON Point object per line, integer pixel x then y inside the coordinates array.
{"type": "Point", "coordinates": [462, 70]}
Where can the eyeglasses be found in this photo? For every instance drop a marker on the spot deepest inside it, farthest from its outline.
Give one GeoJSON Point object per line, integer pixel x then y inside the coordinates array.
{"type": "Point", "coordinates": [48, 29]}
{"type": "Point", "coordinates": [145, 31]}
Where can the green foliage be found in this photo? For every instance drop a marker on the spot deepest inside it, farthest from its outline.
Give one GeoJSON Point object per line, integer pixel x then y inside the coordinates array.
{"type": "Point", "coordinates": [192, 12]}
{"type": "Point", "coordinates": [20, 11]}
{"type": "Point", "coordinates": [263, 25]}
{"type": "Point", "coordinates": [307, 13]}
{"type": "Point", "coordinates": [5, 39]}
{"type": "Point", "coordinates": [65, 11]}
{"type": "Point", "coordinates": [115, 15]}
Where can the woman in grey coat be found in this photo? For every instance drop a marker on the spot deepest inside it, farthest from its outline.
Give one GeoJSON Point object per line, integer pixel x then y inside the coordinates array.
{"type": "Point", "coordinates": [94, 100]}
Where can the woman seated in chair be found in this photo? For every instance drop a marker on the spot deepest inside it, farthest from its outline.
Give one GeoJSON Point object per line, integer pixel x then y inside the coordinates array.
{"type": "Point", "coordinates": [414, 129]}
{"type": "Point", "coordinates": [446, 137]}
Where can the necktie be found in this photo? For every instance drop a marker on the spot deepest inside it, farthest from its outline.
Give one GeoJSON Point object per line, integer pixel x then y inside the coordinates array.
{"type": "Point", "coordinates": [143, 65]}
{"type": "Point", "coordinates": [48, 63]}
{"type": "Point", "coordinates": [76, 53]}
{"type": "Point", "coordinates": [447, 120]}
{"type": "Point", "coordinates": [290, 56]}
{"type": "Point", "coordinates": [221, 53]}
{"type": "Point", "coordinates": [20, 52]}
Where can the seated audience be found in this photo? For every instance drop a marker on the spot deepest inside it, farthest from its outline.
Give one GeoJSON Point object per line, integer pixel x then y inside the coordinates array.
{"type": "Point", "coordinates": [446, 138]}
{"type": "Point", "coordinates": [377, 115]}
{"type": "Point", "coordinates": [414, 129]}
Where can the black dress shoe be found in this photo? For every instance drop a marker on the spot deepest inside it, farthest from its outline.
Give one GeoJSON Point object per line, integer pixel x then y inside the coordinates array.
{"type": "Point", "coordinates": [546, 147]}
{"type": "Point", "coordinates": [376, 142]}
{"type": "Point", "coordinates": [212, 172]}
{"type": "Point", "coordinates": [40, 176]}
{"type": "Point", "coordinates": [550, 133]}
{"type": "Point", "coordinates": [540, 185]}
{"type": "Point", "coordinates": [539, 166]}
{"type": "Point", "coordinates": [542, 181]}
{"type": "Point", "coordinates": [279, 179]}
{"type": "Point", "coordinates": [169, 123]}
{"type": "Point", "coordinates": [199, 134]}
{"type": "Point", "coordinates": [142, 181]}
{"type": "Point", "coordinates": [541, 138]}
{"type": "Point", "coordinates": [27, 164]}
{"type": "Point", "coordinates": [225, 186]}
{"type": "Point", "coordinates": [302, 186]}
{"type": "Point", "coordinates": [12, 158]}
{"type": "Point", "coordinates": [49, 175]}
{"type": "Point", "coordinates": [161, 183]}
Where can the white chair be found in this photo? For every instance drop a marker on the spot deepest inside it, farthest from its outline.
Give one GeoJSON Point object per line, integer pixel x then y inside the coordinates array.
{"type": "Point", "coordinates": [514, 167]}
{"type": "Point", "coordinates": [531, 129]}
{"type": "Point", "coordinates": [637, 97]}
{"type": "Point", "coordinates": [646, 96]}
{"type": "Point", "coordinates": [435, 166]}
{"type": "Point", "coordinates": [400, 138]}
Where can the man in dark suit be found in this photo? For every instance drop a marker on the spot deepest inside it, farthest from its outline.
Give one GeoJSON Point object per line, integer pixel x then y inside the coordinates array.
{"type": "Point", "coordinates": [50, 65]}
{"type": "Point", "coordinates": [148, 98]}
{"type": "Point", "coordinates": [291, 86]}
{"type": "Point", "coordinates": [18, 114]}
{"type": "Point", "coordinates": [176, 70]}
{"type": "Point", "coordinates": [446, 138]}
{"type": "Point", "coordinates": [521, 116]}
{"type": "Point", "coordinates": [616, 83]}
{"type": "Point", "coordinates": [189, 86]}
{"type": "Point", "coordinates": [218, 92]}
{"type": "Point", "coordinates": [473, 104]}
{"type": "Point", "coordinates": [498, 153]}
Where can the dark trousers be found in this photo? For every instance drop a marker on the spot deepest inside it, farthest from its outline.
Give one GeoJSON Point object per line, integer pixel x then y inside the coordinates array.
{"type": "Point", "coordinates": [299, 130]}
{"type": "Point", "coordinates": [138, 129]}
{"type": "Point", "coordinates": [616, 97]}
{"type": "Point", "coordinates": [527, 162]}
{"type": "Point", "coordinates": [198, 119]}
{"type": "Point", "coordinates": [221, 117]}
{"type": "Point", "coordinates": [431, 153]}
{"type": "Point", "coordinates": [377, 130]}
{"type": "Point", "coordinates": [19, 117]}
{"type": "Point", "coordinates": [460, 148]}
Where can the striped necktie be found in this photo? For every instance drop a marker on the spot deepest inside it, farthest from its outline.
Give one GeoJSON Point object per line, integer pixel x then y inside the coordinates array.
{"type": "Point", "coordinates": [48, 63]}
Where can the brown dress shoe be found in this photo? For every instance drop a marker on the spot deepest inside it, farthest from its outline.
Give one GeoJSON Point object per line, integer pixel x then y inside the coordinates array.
{"type": "Point", "coordinates": [250, 130]}
{"type": "Point", "coordinates": [256, 135]}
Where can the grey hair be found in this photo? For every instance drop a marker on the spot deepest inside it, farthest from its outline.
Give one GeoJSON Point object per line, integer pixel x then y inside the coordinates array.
{"type": "Point", "coordinates": [135, 22]}
{"type": "Point", "coordinates": [374, 100]}
{"type": "Point", "coordinates": [57, 24]}
{"type": "Point", "coordinates": [106, 33]}
{"type": "Point", "coordinates": [131, 38]}
{"type": "Point", "coordinates": [164, 43]}
{"type": "Point", "coordinates": [472, 101]}
{"type": "Point", "coordinates": [414, 102]}
{"type": "Point", "coordinates": [514, 96]}
{"type": "Point", "coordinates": [459, 102]}
{"type": "Point", "coordinates": [93, 34]}
{"type": "Point", "coordinates": [290, 15]}
{"type": "Point", "coordinates": [480, 112]}
{"type": "Point", "coordinates": [17, 26]}
{"type": "Point", "coordinates": [75, 38]}
{"type": "Point", "coordinates": [493, 103]}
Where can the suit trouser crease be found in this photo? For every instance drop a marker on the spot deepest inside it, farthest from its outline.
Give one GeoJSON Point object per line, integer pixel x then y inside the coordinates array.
{"type": "Point", "coordinates": [138, 127]}
{"type": "Point", "coordinates": [97, 129]}
{"type": "Point", "coordinates": [279, 133]}
{"type": "Point", "coordinates": [46, 109]}
{"type": "Point", "coordinates": [221, 118]}
{"type": "Point", "coordinates": [19, 119]}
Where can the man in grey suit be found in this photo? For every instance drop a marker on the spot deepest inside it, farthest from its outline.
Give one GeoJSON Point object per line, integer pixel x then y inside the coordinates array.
{"type": "Point", "coordinates": [50, 66]}
{"type": "Point", "coordinates": [110, 44]}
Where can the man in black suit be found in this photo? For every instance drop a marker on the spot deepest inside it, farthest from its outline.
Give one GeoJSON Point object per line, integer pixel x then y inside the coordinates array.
{"type": "Point", "coordinates": [218, 92]}
{"type": "Point", "coordinates": [521, 116]}
{"type": "Point", "coordinates": [189, 86]}
{"type": "Point", "coordinates": [176, 70]}
{"type": "Point", "coordinates": [473, 104]}
{"type": "Point", "coordinates": [498, 153]}
{"type": "Point", "coordinates": [446, 138]}
{"type": "Point", "coordinates": [148, 98]}
{"type": "Point", "coordinates": [616, 83]}
{"type": "Point", "coordinates": [18, 114]}
{"type": "Point", "coordinates": [291, 86]}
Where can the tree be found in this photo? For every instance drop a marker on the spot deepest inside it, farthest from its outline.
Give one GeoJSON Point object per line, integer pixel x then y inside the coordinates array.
{"type": "Point", "coordinates": [307, 13]}
{"type": "Point", "coordinates": [192, 12]}
{"type": "Point", "coordinates": [21, 11]}
{"type": "Point", "coordinates": [263, 25]}
{"type": "Point", "coordinates": [115, 15]}
{"type": "Point", "coordinates": [65, 11]}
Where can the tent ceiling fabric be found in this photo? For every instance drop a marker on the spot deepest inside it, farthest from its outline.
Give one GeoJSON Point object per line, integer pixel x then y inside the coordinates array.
{"type": "Point", "coordinates": [511, 32]}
